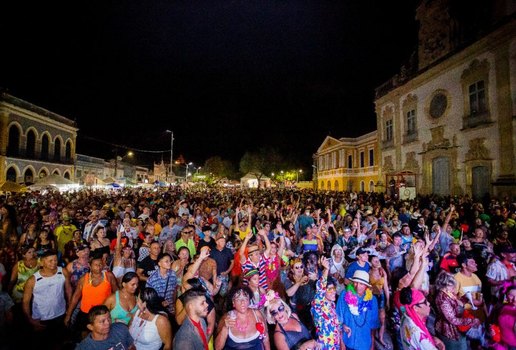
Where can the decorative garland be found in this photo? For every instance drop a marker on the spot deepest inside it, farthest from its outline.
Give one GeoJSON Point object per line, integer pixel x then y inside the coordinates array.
{"type": "Point", "coordinates": [357, 305]}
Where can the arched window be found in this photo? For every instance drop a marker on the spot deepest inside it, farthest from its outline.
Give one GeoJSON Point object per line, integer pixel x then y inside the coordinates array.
{"type": "Point", "coordinates": [43, 173]}
{"type": "Point", "coordinates": [362, 186]}
{"type": "Point", "coordinates": [68, 151]}
{"type": "Point", "coordinates": [371, 186]}
{"type": "Point", "coordinates": [13, 146]}
{"type": "Point", "coordinates": [44, 147]}
{"type": "Point", "coordinates": [67, 175]}
{"type": "Point", "coordinates": [11, 174]}
{"type": "Point", "coordinates": [30, 150]}
{"type": "Point", "coordinates": [322, 185]}
{"type": "Point", "coordinates": [56, 172]}
{"type": "Point", "coordinates": [57, 150]}
{"type": "Point", "coordinates": [28, 177]}
{"type": "Point", "coordinates": [336, 185]}
{"type": "Point", "coordinates": [329, 185]}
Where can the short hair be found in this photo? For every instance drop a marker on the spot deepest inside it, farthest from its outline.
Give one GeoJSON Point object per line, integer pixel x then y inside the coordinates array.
{"type": "Point", "coordinates": [192, 294]}
{"type": "Point", "coordinates": [163, 255]}
{"type": "Point", "coordinates": [95, 311]}
{"type": "Point", "coordinates": [397, 234]}
{"type": "Point", "coordinates": [183, 248]}
{"type": "Point", "coordinates": [128, 276]}
{"type": "Point", "coordinates": [463, 258]}
{"type": "Point", "coordinates": [270, 318]}
{"type": "Point", "coordinates": [444, 279]}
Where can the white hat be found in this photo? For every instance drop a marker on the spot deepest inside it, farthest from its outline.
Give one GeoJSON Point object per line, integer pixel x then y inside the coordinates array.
{"type": "Point", "coordinates": [361, 276]}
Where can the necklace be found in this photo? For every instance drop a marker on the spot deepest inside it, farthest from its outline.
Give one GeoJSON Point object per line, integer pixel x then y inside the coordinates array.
{"type": "Point", "coordinates": [241, 327]}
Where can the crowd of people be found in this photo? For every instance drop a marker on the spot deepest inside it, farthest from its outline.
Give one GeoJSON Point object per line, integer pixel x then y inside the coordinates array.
{"type": "Point", "coordinates": [175, 268]}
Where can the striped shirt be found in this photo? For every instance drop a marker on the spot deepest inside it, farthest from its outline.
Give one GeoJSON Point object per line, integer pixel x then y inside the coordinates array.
{"type": "Point", "coordinates": [164, 286]}
{"type": "Point", "coordinates": [262, 264]}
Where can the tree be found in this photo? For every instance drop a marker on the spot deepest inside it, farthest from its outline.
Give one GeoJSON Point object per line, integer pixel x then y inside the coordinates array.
{"type": "Point", "coordinates": [265, 161]}
{"type": "Point", "coordinates": [219, 168]}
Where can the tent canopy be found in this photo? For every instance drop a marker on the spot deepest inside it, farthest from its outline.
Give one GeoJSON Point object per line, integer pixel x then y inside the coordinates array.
{"type": "Point", "coordinates": [53, 180]}
{"type": "Point", "coordinates": [9, 186]}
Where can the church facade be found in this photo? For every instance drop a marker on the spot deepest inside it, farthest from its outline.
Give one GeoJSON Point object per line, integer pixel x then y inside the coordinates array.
{"type": "Point", "coordinates": [448, 119]}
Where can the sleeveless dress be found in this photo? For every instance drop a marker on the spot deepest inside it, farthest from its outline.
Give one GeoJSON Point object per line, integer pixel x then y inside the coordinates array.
{"type": "Point", "coordinates": [292, 337]}
{"type": "Point", "coordinates": [24, 274]}
{"type": "Point", "coordinates": [94, 295]}
{"type": "Point", "coordinates": [250, 343]}
{"type": "Point", "coordinates": [145, 333]}
{"type": "Point", "coordinates": [119, 314]}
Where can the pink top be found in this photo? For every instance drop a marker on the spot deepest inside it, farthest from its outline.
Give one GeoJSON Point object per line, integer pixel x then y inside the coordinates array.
{"type": "Point", "coordinates": [506, 321]}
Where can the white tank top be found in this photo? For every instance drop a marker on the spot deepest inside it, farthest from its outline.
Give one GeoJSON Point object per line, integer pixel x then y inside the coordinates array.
{"type": "Point", "coordinates": [48, 296]}
{"type": "Point", "coordinates": [145, 333]}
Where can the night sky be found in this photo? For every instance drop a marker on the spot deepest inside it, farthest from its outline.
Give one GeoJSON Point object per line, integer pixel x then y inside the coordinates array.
{"type": "Point", "coordinates": [225, 76]}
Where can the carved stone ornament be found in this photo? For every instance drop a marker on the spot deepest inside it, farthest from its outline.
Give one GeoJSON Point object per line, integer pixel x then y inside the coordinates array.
{"type": "Point", "coordinates": [438, 141]}
{"type": "Point", "coordinates": [477, 150]}
{"type": "Point", "coordinates": [388, 167]}
{"type": "Point", "coordinates": [411, 162]}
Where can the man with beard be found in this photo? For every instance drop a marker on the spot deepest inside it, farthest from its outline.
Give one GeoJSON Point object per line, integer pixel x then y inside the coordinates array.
{"type": "Point", "coordinates": [193, 333]}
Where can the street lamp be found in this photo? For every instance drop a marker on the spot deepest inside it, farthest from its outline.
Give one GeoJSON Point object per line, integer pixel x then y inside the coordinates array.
{"type": "Point", "coordinates": [197, 170]}
{"type": "Point", "coordinates": [118, 158]}
{"type": "Point", "coordinates": [297, 174]}
{"type": "Point", "coordinates": [171, 148]}
{"type": "Point", "coordinates": [186, 173]}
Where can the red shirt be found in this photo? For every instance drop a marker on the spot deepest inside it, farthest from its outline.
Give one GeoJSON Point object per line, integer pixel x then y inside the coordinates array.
{"type": "Point", "coordinates": [201, 333]}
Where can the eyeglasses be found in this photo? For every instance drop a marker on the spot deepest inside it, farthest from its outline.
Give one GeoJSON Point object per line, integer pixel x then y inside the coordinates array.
{"type": "Point", "coordinates": [187, 232]}
{"type": "Point", "coordinates": [281, 308]}
{"type": "Point", "coordinates": [423, 302]}
{"type": "Point", "coordinates": [331, 289]}
{"type": "Point", "coordinates": [297, 267]}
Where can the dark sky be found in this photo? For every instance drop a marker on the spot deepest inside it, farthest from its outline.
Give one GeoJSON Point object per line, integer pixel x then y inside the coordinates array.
{"type": "Point", "coordinates": [225, 76]}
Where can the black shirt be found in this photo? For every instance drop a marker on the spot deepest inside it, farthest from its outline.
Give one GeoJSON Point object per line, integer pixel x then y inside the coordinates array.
{"type": "Point", "coordinates": [148, 265]}
{"type": "Point", "coordinates": [223, 259]}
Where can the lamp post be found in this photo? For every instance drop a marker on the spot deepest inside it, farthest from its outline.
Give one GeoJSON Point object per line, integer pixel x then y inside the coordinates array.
{"type": "Point", "coordinates": [297, 174]}
{"type": "Point", "coordinates": [186, 173]}
{"type": "Point", "coordinates": [171, 150]}
{"type": "Point", "coordinates": [197, 170]}
{"type": "Point", "coordinates": [118, 158]}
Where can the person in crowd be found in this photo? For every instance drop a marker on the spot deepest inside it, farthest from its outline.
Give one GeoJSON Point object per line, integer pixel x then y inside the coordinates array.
{"type": "Point", "coordinates": [29, 236]}
{"type": "Point", "coordinates": [64, 232]}
{"type": "Point", "coordinates": [92, 289]}
{"type": "Point", "coordinates": [180, 265]}
{"type": "Point", "coordinates": [44, 240]}
{"type": "Point", "coordinates": [361, 263]}
{"type": "Point", "coordinates": [123, 258]}
{"type": "Point", "coordinates": [501, 270]}
{"type": "Point", "coordinates": [323, 311]}
{"type": "Point", "coordinates": [164, 282]}
{"type": "Point", "coordinates": [22, 271]}
{"type": "Point", "coordinates": [414, 332]}
{"type": "Point", "coordinates": [449, 313]}
{"type": "Point", "coordinates": [394, 253]}
{"type": "Point", "coordinates": [70, 248]}
{"type": "Point", "coordinates": [150, 327]}
{"type": "Point", "coordinates": [187, 240]}
{"type": "Point", "coordinates": [252, 278]}
{"type": "Point", "coordinates": [289, 331]}
{"type": "Point", "coordinates": [380, 288]}
{"type": "Point", "coordinates": [469, 287]}
{"type": "Point", "coordinates": [242, 325]}
{"type": "Point", "coordinates": [255, 259]}
{"type": "Point", "coordinates": [449, 261]}
{"type": "Point", "coordinates": [224, 259]}
{"type": "Point", "coordinates": [148, 265]}
{"type": "Point", "coordinates": [338, 265]}
{"type": "Point", "coordinates": [193, 333]}
{"type": "Point", "coordinates": [99, 240]}
{"type": "Point", "coordinates": [104, 334]}
{"type": "Point", "coordinates": [507, 321]}
{"type": "Point", "coordinates": [45, 297]}
{"type": "Point", "coordinates": [300, 288]}
{"type": "Point", "coordinates": [80, 266]}
{"type": "Point", "coordinates": [122, 304]}
{"type": "Point", "coordinates": [357, 310]}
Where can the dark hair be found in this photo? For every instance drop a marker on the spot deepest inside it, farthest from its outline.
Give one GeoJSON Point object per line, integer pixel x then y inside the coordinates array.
{"type": "Point", "coordinates": [195, 283]}
{"type": "Point", "coordinates": [47, 252]}
{"type": "Point", "coordinates": [183, 247]}
{"type": "Point", "coordinates": [95, 311]}
{"type": "Point", "coordinates": [192, 294]}
{"type": "Point", "coordinates": [153, 300]}
{"type": "Point", "coordinates": [396, 234]}
{"type": "Point", "coordinates": [96, 255]}
{"type": "Point", "coordinates": [163, 255]}
{"type": "Point", "coordinates": [128, 276]}
{"type": "Point", "coordinates": [406, 296]}
{"type": "Point", "coordinates": [233, 291]}
{"type": "Point", "coordinates": [331, 281]}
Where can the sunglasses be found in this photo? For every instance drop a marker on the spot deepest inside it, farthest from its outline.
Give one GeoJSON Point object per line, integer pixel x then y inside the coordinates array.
{"type": "Point", "coordinates": [281, 308]}
{"type": "Point", "coordinates": [331, 289]}
{"type": "Point", "coordinates": [298, 267]}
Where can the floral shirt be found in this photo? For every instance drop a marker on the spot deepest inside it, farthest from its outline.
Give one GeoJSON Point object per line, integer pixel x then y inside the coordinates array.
{"type": "Point", "coordinates": [412, 337]}
{"type": "Point", "coordinates": [325, 318]}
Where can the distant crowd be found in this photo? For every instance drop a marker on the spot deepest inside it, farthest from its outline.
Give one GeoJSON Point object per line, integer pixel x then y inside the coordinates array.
{"type": "Point", "coordinates": [172, 268]}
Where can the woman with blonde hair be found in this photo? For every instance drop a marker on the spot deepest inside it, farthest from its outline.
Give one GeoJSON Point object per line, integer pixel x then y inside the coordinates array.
{"type": "Point", "coordinates": [290, 332]}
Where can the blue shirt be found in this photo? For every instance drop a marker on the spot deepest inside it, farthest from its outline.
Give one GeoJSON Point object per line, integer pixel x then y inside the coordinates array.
{"type": "Point", "coordinates": [361, 325]}
{"type": "Point", "coordinates": [164, 286]}
{"type": "Point", "coordinates": [354, 267]}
